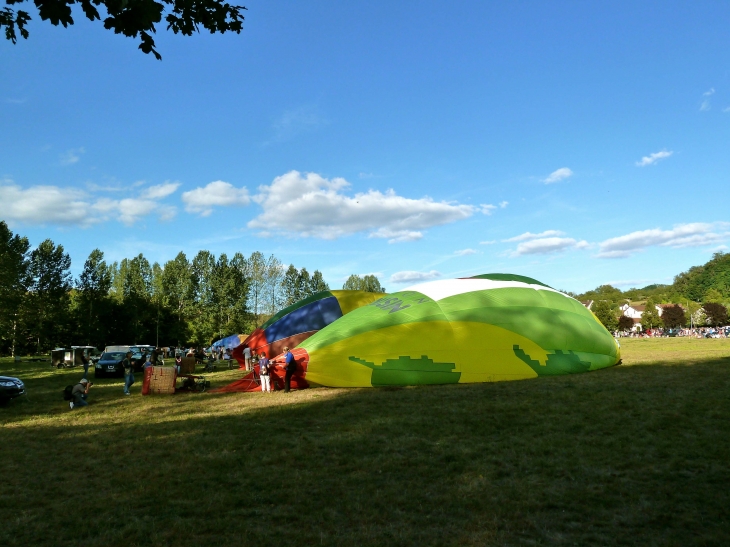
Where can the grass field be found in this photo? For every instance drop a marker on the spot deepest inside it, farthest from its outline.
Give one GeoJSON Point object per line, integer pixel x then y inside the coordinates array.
{"type": "Point", "coordinates": [633, 455]}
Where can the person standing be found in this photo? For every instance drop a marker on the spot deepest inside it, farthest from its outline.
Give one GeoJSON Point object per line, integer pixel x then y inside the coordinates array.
{"type": "Point", "coordinates": [247, 357]}
{"type": "Point", "coordinates": [128, 372]}
{"type": "Point", "coordinates": [85, 364]}
{"type": "Point", "coordinates": [264, 373]}
{"type": "Point", "coordinates": [290, 365]}
{"type": "Point", "coordinates": [79, 393]}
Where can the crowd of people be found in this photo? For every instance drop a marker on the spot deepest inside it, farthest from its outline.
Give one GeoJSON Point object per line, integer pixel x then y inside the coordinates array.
{"type": "Point", "coordinates": [701, 332]}
{"type": "Point", "coordinates": [266, 368]}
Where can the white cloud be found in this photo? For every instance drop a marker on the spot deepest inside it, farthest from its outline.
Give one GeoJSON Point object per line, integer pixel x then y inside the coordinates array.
{"type": "Point", "coordinates": [214, 194]}
{"type": "Point", "coordinates": [71, 156]}
{"type": "Point", "coordinates": [558, 175]}
{"type": "Point", "coordinates": [682, 235]}
{"type": "Point", "coordinates": [491, 242]}
{"type": "Point", "coordinates": [127, 211]}
{"type": "Point", "coordinates": [310, 205]}
{"type": "Point", "coordinates": [296, 121]}
{"type": "Point", "coordinates": [395, 236]}
{"type": "Point", "coordinates": [45, 204]}
{"type": "Point", "coordinates": [705, 104]}
{"type": "Point", "coordinates": [409, 276]}
{"type": "Point", "coordinates": [503, 204]}
{"type": "Point", "coordinates": [653, 158]}
{"type": "Point", "coordinates": [548, 245]}
{"type": "Point", "coordinates": [160, 191]}
{"type": "Point", "coordinates": [167, 213]}
{"type": "Point", "coordinates": [93, 187]}
{"type": "Point", "coordinates": [466, 252]}
{"type": "Point", "coordinates": [487, 209]}
{"type": "Point", "coordinates": [529, 235]}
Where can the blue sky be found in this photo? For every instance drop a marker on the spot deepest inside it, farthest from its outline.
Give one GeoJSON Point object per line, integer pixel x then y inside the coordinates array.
{"type": "Point", "coordinates": [579, 143]}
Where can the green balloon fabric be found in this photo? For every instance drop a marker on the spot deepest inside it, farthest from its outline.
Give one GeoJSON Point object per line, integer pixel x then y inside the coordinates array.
{"type": "Point", "coordinates": [486, 328]}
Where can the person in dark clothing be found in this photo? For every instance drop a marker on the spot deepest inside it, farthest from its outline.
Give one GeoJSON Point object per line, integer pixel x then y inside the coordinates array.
{"type": "Point", "coordinates": [290, 366]}
{"type": "Point", "coordinates": [128, 372]}
{"type": "Point", "coordinates": [79, 393]}
{"type": "Point", "coordinates": [85, 364]}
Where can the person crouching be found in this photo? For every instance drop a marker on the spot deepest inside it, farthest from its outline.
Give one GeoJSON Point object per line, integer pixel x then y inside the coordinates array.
{"type": "Point", "coordinates": [79, 393]}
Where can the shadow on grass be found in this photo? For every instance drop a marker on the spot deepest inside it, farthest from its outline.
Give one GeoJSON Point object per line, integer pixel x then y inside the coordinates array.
{"type": "Point", "coordinates": [623, 456]}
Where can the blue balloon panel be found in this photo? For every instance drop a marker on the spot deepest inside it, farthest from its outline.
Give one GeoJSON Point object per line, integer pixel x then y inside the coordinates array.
{"type": "Point", "coordinates": [314, 316]}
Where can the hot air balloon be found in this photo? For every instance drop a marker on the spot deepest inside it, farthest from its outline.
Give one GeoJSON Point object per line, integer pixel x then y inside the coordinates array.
{"type": "Point", "coordinates": [485, 328]}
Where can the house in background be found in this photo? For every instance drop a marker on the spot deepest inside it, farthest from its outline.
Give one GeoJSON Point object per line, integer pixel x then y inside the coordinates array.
{"type": "Point", "coordinates": [587, 303]}
{"type": "Point", "coordinates": [634, 311]}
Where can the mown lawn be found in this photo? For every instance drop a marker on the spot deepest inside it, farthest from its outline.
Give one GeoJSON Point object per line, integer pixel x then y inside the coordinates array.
{"type": "Point", "coordinates": [633, 455]}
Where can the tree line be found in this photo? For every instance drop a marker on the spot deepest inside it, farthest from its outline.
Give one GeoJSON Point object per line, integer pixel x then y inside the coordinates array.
{"type": "Point", "coordinates": [183, 301]}
{"type": "Point", "coordinates": [699, 297]}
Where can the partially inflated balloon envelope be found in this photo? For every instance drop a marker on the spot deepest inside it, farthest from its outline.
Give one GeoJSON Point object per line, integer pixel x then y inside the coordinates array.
{"type": "Point", "coordinates": [301, 320]}
{"type": "Point", "coordinates": [486, 328]}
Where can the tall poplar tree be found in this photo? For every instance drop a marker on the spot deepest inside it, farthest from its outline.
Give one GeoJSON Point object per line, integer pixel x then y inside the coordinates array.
{"type": "Point", "coordinates": [46, 305]}
{"type": "Point", "coordinates": [317, 283]}
{"type": "Point", "coordinates": [289, 286]}
{"type": "Point", "coordinates": [14, 265]}
{"type": "Point", "coordinates": [256, 273]}
{"type": "Point", "coordinates": [274, 278]}
{"type": "Point", "coordinates": [93, 288]}
{"type": "Point", "coordinates": [137, 290]}
{"type": "Point", "coordinates": [650, 317]}
{"type": "Point", "coordinates": [177, 293]}
{"type": "Point", "coordinates": [202, 317]}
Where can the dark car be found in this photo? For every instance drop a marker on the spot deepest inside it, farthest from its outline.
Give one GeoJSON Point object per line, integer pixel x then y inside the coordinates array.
{"type": "Point", "coordinates": [10, 388]}
{"type": "Point", "coordinates": [110, 364]}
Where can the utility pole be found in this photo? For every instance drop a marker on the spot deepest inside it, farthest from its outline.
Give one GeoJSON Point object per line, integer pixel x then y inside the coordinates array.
{"type": "Point", "coordinates": [157, 337]}
{"type": "Point", "coordinates": [15, 323]}
{"type": "Point", "coordinates": [690, 319]}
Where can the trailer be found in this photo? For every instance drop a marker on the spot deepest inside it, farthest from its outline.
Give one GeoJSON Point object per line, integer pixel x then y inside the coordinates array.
{"type": "Point", "coordinates": [71, 357]}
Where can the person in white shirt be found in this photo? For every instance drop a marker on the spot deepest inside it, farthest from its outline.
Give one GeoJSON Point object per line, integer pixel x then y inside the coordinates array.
{"type": "Point", "coordinates": [264, 374]}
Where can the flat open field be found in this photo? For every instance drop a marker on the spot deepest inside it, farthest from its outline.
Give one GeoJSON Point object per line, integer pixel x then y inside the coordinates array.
{"type": "Point", "coordinates": [633, 455]}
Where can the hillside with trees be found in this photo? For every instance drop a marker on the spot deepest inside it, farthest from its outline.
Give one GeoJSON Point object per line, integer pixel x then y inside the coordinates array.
{"type": "Point", "coordinates": [703, 291]}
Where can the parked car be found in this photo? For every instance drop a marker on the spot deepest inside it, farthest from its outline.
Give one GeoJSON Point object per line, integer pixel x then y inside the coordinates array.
{"type": "Point", "coordinates": [110, 364]}
{"type": "Point", "coordinates": [123, 348]}
{"type": "Point", "coordinates": [139, 354]}
{"type": "Point", "coordinates": [10, 388]}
